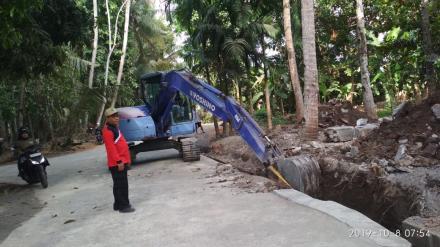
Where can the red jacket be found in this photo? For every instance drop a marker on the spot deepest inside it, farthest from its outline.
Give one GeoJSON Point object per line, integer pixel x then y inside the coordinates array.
{"type": "Point", "coordinates": [116, 146]}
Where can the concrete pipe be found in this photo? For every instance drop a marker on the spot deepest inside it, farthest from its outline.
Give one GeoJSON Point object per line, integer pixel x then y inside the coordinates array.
{"type": "Point", "coordinates": [301, 172]}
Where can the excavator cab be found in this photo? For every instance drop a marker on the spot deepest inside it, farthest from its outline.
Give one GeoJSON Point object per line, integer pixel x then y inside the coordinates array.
{"type": "Point", "coordinates": [158, 99]}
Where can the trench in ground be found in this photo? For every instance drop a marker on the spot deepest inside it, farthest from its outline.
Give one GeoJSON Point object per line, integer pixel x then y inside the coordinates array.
{"type": "Point", "coordinates": [376, 197]}
{"type": "Point", "coordinates": [388, 199]}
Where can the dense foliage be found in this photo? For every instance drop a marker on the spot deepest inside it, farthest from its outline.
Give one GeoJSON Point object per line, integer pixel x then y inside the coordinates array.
{"type": "Point", "coordinates": [45, 49]}
{"type": "Point", "coordinates": [238, 46]}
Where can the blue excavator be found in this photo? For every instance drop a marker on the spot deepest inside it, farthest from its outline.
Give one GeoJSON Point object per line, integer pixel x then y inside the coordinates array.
{"type": "Point", "coordinates": [165, 121]}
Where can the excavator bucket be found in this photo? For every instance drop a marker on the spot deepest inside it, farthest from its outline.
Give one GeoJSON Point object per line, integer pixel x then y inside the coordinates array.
{"type": "Point", "coordinates": [301, 172]}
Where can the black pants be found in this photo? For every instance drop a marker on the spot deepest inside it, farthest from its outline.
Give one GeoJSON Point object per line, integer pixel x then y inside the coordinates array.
{"type": "Point", "coordinates": [199, 125]}
{"type": "Point", "coordinates": [20, 163]}
{"type": "Point", "coordinates": [120, 188]}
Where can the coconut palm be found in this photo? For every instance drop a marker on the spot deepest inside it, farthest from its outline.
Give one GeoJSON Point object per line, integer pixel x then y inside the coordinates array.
{"type": "Point", "coordinates": [311, 69]}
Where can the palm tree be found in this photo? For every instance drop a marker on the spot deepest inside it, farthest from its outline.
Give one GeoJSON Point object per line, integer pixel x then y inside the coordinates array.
{"type": "Point", "coordinates": [310, 70]}
{"type": "Point", "coordinates": [293, 69]}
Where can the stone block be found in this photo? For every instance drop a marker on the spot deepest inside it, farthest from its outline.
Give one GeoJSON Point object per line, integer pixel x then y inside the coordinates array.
{"type": "Point", "coordinates": [436, 110]}
{"type": "Point", "coordinates": [401, 152]}
{"type": "Point", "coordinates": [340, 133]}
{"type": "Point", "coordinates": [400, 109]}
{"type": "Point", "coordinates": [363, 131]}
{"type": "Point", "coordinates": [361, 121]}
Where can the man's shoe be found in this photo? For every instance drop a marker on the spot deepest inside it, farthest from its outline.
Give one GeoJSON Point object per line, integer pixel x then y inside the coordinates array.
{"type": "Point", "coordinates": [127, 210]}
{"type": "Point", "coordinates": [117, 208]}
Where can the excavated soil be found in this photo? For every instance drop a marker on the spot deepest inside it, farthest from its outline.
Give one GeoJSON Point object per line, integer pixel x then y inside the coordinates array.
{"type": "Point", "coordinates": [336, 112]}
{"type": "Point", "coordinates": [415, 126]}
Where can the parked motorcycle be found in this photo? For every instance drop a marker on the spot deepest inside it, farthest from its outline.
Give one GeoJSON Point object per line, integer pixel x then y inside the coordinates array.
{"type": "Point", "coordinates": [33, 166]}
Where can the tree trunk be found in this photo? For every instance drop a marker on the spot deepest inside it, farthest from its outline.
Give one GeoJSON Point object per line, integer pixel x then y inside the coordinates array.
{"type": "Point", "coordinates": [111, 42]}
{"type": "Point", "coordinates": [31, 129]}
{"type": "Point", "coordinates": [124, 52]}
{"type": "Point", "coordinates": [50, 122]}
{"type": "Point", "coordinates": [226, 129]}
{"type": "Point", "coordinates": [86, 121]}
{"type": "Point", "coordinates": [293, 68]}
{"type": "Point", "coordinates": [350, 95]}
{"type": "Point", "coordinates": [239, 95]}
{"type": "Point", "coordinates": [231, 129]}
{"type": "Point", "coordinates": [428, 50]}
{"type": "Point", "coordinates": [7, 134]}
{"type": "Point", "coordinates": [370, 107]}
{"type": "Point", "coordinates": [95, 43]}
{"type": "Point", "coordinates": [268, 106]}
{"type": "Point", "coordinates": [21, 105]}
{"type": "Point", "coordinates": [111, 46]}
{"type": "Point", "coordinates": [266, 87]}
{"type": "Point", "coordinates": [251, 104]}
{"type": "Point", "coordinates": [216, 128]}
{"type": "Point", "coordinates": [2, 128]}
{"type": "Point", "coordinates": [101, 110]}
{"type": "Point", "coordinates": [14, 129]}
{"type": "Point", "coordinates": [214, 118]}
{"type": "Point", "coordinates": [417, 93]}
{"type": "Point", "coordinates": [311, 87]}
{"type": "Point", "coordinates": [282, 107]}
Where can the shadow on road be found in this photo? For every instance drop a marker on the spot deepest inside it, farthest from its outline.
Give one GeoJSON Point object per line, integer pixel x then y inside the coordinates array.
{"type": "Point", "coordinates": [152, 156]}
{"type": "Point", "coordinates": [18, 204]}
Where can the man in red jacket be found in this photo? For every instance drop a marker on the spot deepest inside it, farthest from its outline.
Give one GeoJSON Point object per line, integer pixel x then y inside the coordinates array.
{"type": "Point", "coordinates": [118, 158]}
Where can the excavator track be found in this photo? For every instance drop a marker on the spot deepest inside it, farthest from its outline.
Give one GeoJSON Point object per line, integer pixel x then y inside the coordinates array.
{"type": "Point", "coordinates": [190, 150]}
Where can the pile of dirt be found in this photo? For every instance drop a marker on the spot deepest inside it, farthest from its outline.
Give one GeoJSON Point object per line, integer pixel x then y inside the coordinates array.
{"type": "Point", "coordinates": [238, 166]}
{"type": "Point", "coordinates": [337, 112]}
{"type": "Point", "coordinates": [229, 176]}
{"type": "Point", "coordinates": [235, 151]}
{"type": "Point", "coordinates": [415, 131]}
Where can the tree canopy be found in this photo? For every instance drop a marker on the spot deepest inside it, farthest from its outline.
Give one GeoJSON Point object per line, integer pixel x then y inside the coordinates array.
{"type": "Point", "coordinates": [238, 46]}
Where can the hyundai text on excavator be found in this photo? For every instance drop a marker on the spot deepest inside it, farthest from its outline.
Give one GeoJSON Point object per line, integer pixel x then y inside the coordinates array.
{"type": "Point", "coordinates": [165, 121]}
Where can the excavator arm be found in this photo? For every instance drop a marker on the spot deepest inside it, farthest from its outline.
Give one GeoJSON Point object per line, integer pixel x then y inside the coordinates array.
{"type": "Point", "coordinates": [223, 107]}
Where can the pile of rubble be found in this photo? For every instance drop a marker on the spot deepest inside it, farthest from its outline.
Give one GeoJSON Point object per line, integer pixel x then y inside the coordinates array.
{"type": "Point", "coordinates": [411, 139]}
{"type": "Point", "coordinates": [336, 112]}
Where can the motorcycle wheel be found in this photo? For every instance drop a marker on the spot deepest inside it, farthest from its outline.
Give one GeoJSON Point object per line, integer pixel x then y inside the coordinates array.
{"type": "Point", "coordinates": [43, 177]}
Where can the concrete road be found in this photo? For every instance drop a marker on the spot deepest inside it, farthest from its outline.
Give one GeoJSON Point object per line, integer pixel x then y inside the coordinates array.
{"type": "Point", "coordinates": [177, 204]}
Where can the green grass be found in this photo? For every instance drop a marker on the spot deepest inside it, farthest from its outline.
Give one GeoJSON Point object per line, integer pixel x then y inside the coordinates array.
{"type": "Point", "coordinates": [384, 112]}
{"type": "Point", "coordinates": [261, 117]}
